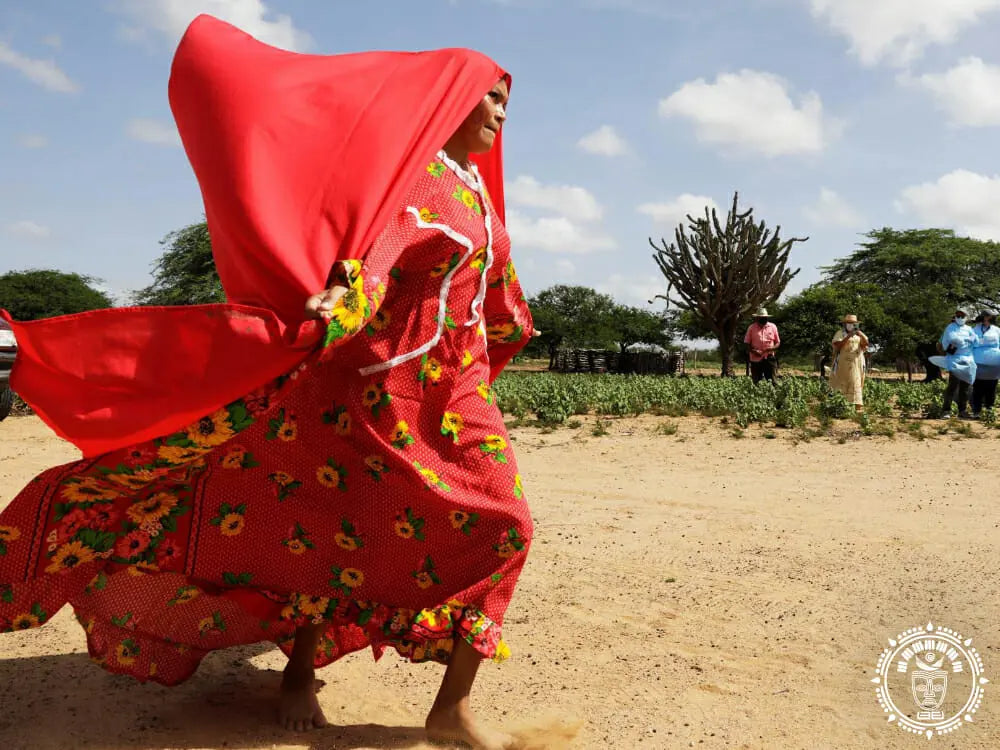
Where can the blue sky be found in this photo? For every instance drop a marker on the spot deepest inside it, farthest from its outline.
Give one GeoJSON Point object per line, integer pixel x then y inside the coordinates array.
{"type": "Point", "coordinates": [831, 117]}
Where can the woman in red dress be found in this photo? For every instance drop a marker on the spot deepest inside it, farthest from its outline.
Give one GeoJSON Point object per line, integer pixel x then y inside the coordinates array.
{"type": "Point", "coordinates": [368, 497]}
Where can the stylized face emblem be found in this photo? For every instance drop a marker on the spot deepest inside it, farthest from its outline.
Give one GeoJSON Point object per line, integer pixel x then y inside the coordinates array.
{"type": "Point", "coordinates": [929, 689]}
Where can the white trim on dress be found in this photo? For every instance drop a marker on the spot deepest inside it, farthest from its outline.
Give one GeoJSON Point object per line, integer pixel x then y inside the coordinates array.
{"type": "Point", "coordinates": [476, 315]}
{"type": "Point", "coordinates": [471, 179]}
{"type": "Point", "coordinates": [474, 181]}
{"type": "Point", "coordinates": [465, 242]}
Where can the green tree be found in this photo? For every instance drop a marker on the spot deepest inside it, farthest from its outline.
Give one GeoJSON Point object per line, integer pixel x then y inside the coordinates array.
{"type": "Point", "coordinates": [580, 317]}
{"type": "Point", "coordinates": [956, 270]}
{"type": "Point", "coordinates": [633, 325]}
{"type": "Point", "coordinates": [35, 294]}
{"type": "Point", "coordinates": [808, 320]}
{"type": "Point", "coordinates": [575, 316]}
{"type": "Point", "coordinates": [920, 276]}
{"type": "Point", "coordinates": [721, 273]}
{"type": "Point", "coordinates": [185, 273]}
{"type": "Point", "coordinates": [687, 324]}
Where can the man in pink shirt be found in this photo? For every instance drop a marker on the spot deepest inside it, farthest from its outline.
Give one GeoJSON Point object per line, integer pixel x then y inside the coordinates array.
{"type": "Point", "coordinates": [763, 340]}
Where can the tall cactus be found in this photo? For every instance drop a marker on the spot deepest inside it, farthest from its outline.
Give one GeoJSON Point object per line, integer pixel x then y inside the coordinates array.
{"type": "Point", "coordinates": [721, 274]}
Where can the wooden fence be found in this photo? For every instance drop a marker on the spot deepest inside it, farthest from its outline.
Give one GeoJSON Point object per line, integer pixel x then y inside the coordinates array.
{"type": "Point", "coordinates": [598, 361]}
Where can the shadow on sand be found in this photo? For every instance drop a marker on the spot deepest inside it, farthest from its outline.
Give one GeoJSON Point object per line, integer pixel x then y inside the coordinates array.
{"type": "Point", "coordinates": [64, 702]}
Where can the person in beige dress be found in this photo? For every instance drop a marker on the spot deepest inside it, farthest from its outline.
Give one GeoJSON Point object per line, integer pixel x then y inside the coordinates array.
{"type": "Point", "coordinates": [848, 372]}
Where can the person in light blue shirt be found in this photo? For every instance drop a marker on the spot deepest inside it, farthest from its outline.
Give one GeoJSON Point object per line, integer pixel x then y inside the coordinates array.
{"type": "Point", "coordinates": [957, 343]}
{"type": "Point", "coordinates": [986, 353]}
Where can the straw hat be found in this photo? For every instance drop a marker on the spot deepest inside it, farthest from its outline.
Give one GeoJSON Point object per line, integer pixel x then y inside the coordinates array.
{"type": "Point", "coordinates": [850, 319]}
{"type": "Point", "coordinates": [761, 313]}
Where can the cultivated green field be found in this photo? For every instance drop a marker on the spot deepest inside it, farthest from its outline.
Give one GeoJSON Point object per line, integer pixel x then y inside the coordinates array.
{"type": "Point", "coordinates": [793, 402]}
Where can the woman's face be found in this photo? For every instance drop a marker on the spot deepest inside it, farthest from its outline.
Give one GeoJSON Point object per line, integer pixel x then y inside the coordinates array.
{"type": "Point", "coordinates": [477, 133]}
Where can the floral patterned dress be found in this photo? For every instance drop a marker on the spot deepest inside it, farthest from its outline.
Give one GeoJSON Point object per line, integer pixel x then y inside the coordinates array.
{"type": "Point", "coordinates": [373, 489]}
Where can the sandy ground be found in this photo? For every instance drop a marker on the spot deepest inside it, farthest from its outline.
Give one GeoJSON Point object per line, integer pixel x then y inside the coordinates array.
{"type": "Point", "coordinates": [684, 591]}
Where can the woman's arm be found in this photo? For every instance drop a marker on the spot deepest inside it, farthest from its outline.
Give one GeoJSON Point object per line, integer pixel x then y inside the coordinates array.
{"type": "Point", "coordinates": [508, 319]}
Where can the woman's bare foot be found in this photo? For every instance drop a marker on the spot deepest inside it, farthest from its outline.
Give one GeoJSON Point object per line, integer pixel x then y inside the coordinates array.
{"type": "Point", "coordinates": [457, 724]}
{"type": "Point", "coordinates": [298, 707]}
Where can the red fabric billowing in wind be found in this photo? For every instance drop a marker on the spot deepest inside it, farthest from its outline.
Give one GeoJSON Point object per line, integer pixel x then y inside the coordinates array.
{"type": "Point", "coordinates": [301, 160]}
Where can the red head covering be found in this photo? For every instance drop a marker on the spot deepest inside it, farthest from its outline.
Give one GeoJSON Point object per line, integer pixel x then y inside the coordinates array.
{"type": "Point", "coordinates": [301, 160]}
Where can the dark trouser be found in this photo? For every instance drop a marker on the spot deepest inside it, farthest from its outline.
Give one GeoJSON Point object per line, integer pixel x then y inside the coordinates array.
{"type": "Point", "coordinates": [763, 369]}
{"type": "Point", "coordinates": [984, 395]}
{"type": "Point", "coordinates": [958, 390]}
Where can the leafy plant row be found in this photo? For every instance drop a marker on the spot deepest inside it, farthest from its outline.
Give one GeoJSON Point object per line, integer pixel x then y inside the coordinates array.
{"type": "Point", "coordinates": [553, 398]}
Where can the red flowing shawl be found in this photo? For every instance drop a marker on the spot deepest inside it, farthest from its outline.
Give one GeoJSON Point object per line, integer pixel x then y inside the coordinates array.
{"type": "Point", "coordinates": [301, 159]}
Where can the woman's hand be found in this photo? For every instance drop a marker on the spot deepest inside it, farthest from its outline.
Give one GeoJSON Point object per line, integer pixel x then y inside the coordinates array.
{"type": "Point", "coordinates": [535, 333]}
{"type": "Point", "coordinates": [321, 303]}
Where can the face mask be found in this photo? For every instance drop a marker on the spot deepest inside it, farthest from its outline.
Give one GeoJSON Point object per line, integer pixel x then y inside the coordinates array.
{"type": "Point", "coordinates": [960, 320]}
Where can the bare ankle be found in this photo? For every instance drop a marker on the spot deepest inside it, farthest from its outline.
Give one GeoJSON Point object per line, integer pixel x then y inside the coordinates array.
{"type": "Point", "coordinates": [300, 670]}
{"type": "Point", "coordinates": [450, 707]}
{"type": "Point", "coordinates": [297, 675]}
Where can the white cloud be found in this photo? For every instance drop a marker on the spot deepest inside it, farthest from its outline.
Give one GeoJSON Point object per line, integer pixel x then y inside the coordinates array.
{"type": "Point", "coordinates": [960, 200]}
{"type": "Point", "coordinates": [28, 230]}
{"type": "Point", "coordinates": [171, 17]}
{"type": "Point", "coordinates": [32, 140]}
{"type": "Point", "coordinates": [568, 200]}
{"type": "Point", "coordinates": [43, 72]}
{"type": "Point", "coordinates": [555, 234]}
{"type": "Point", "coordinates": [655, 8]}
{"type": "Point", "coordinates": [899, 30]}
{"type": "Point", "coordinates": [153, 131]}
{"type": "Point", "coordinates": [752, 111]}
{"type": "Point", "coordinates": [555, 218]}
{"type": "Point", "coordinates": [675, 212]}
{"type": "Point", "coordinates": [565, 268]}
{"type": "Point", "coordinates": [52, 40]}
{"type": "Point", "coordinates": [633, 290]}
{"type": "Point", "coordinates": [604, 142]}
{"type": "Point", "coordinates": [833, 211]}
{"type": "Point", "coordinates": [969, 92]}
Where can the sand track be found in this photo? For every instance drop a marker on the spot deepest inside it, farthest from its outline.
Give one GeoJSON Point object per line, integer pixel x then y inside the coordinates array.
{"type": "Point", "coordinates": [684, 591]}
